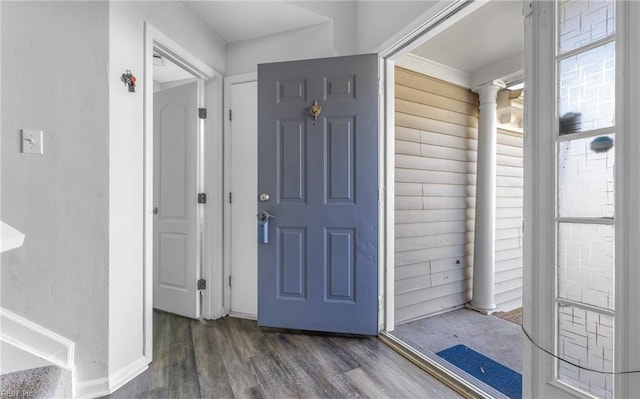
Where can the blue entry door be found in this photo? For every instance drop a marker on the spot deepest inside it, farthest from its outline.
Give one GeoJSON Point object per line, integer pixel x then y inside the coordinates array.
{"type": "Point", "coordinates": [318, 181]}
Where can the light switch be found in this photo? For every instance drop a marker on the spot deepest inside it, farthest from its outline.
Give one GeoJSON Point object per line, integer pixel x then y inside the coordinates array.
{"type": "Point", "coordinates": [32, 141]}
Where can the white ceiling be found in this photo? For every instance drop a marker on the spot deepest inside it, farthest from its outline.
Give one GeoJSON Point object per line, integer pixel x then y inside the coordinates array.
{"type": "Point", "coordinates": [491, 34]}
{"type": "Point", "coordinates": [487, 36]}
{"type": "Point", "coordinates": [241, 20]}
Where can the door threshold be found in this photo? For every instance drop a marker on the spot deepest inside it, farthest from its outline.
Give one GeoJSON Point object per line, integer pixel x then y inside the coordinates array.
{"type": "Point", "coordinates": [455, 378]}
{"type": "Point", "coordinates": [240, 315]}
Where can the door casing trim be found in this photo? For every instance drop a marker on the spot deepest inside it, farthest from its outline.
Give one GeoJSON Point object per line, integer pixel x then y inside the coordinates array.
{"type": "Point", "coordinates": [209, 236]}
{"type": "Point", "coordinates": [434, 21]}
{"type": "Point", "coordinates": [228, 175]}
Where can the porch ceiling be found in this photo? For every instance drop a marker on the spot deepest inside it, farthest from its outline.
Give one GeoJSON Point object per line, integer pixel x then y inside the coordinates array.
{"type": "Point", "coordinates": [485, 37]}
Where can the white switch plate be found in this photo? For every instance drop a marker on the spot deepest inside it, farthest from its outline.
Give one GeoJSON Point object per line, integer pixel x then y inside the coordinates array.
{"type": "Point", "coordinates": [32, 141]}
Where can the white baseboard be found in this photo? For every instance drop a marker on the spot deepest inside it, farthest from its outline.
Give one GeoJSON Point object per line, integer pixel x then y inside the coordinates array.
{"type": "Point", "coordinates": [128, 373]}
{"type": "Point", "coordinates": [36, 340]}
{"type": "Point", "coordinates": [54, 348]}
{"type": "Point", "coordinates": [92, 388]}
{"type": "Point", "coordinates": [106, 386]}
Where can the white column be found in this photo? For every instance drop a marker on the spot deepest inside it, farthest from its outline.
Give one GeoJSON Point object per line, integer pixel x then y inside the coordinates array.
{"type": "Point", "coordinates": [482, 298]}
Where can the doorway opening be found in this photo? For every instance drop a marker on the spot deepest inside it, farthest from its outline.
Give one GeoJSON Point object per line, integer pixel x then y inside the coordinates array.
{"type": "Point", "coordinates": [182, 183]}
{"type": "Point", "coordinates": [176, 167]}
{"type": "Point", "coordinates": [457, 198]}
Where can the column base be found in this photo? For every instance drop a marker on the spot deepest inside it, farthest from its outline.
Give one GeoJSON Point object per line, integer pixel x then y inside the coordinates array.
{"type": "Point", "coordinates": [479, 309]}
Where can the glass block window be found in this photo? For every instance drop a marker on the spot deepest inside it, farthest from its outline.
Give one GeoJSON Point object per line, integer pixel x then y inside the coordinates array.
{"type": "Point", "coordinates": [586, 338]}
{"type": "Point", "coordinates": [581, 22]}
{"type": "Point", "coordinates": [585, 264]}
{"type": "Point", "coordinates": [585, 216]}
{"type": "Point", "coordinates": [587, 90]}
{"type": "Point", "coordinates": [585, 177]}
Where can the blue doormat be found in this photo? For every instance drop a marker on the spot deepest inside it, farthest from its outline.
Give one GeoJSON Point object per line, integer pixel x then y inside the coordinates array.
{"type": "Point", "coordinates": [489, 371]}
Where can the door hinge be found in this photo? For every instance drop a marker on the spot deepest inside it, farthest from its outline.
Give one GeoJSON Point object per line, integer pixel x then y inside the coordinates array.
{"type": "Point", "coordinates": [202, 198]}
{"type": "Point", "coordinates": [230, 197]}
{"type": "Point", "coordinates": [229, 280]}
{"type": "Point", "coordinates": [230, 115]}
{"type": "Point", "coordinates": [202, 284]}
{"type": "Point", "coordinates": [202, 113]}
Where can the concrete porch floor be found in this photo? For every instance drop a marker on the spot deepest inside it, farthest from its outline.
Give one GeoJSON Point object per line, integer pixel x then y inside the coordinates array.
{"type": "Point", "coordinates": [494, 337]}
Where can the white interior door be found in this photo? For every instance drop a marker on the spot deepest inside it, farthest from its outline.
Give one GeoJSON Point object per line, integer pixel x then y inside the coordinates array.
{"type": "Point", "coordinates": [244, 184]}
{"type": "Point", "coordinates": [175, 148]}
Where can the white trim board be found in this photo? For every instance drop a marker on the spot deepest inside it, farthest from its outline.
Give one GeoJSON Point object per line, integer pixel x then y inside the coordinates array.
{"type": "Point", "coordinates": [106, 386]}
{"type": "Point", "coordinates": [508, 70]}
{"type": "Point", "coordinates": [10, 237]}
{"type": "Point", "coordinates": [228, 82]}
{"type": "Point", "coordinates": [92, 388]}
{"type": "Point", "coordinates": [36, 340]}
{"type": "Point", "coordinates": [213, 263]}
{"type": "Point", "coordinates": [435, 70]}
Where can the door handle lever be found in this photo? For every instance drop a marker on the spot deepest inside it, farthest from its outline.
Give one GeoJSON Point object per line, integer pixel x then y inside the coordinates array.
{"type": "Point", "coordinates": [264, 215]}
{"type": "Point", "coordinates": [263, 226]}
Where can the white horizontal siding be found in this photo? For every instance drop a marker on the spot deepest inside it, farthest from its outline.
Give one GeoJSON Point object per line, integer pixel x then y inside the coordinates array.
{"type": "Point", "coordinates": [414, 298]}
{"type": "Point", "coordinates": [435, 169]}
{"type": "Point", "coordinates": [435, 173]}
{"type": "Point", "coordinates": [509, 203]}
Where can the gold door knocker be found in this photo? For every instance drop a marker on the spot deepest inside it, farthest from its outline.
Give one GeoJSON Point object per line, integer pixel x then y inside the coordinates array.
{"type": "Point", "coordinates": [315, 110]}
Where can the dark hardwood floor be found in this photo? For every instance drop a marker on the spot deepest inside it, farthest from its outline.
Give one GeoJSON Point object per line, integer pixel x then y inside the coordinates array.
{"type": "Point", "coordinates": [234, 358]}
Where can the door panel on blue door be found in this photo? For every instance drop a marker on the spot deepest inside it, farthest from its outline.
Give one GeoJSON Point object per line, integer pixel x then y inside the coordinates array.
{"type": "Point", "coordinates": [291, 90]}
{"type": "Point", "coordinates": [320, 269]}
{"type": "Point", "coordinates": [292, 264]}
{"type": "Point", "coordinates": [340, 266]}
{"type": "Point", "coordinates": [340, 159]}
{"type": "Point", "coordinates": [340, 86]}
{"type": "Point", "coordinates": [292, 154]}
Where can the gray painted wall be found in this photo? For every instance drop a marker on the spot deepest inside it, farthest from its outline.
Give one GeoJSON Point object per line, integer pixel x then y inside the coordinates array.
{"type": "Point", "coordinates": [312, 42]}
{"type": "Point", "coordinates": [379, 21]}
{"type": "Point", "coordinates": [80, 204]}
{"type": "Point", "coordinates": [126, 174]}
{"type": "Point", "coordinates": [357, 28]}
{"type": "Point", "coordinates": [55, 59]}
{"type": "Point", "coordinates": [343, 14]}
{"type": "Point", "coordinates": [175, 21]}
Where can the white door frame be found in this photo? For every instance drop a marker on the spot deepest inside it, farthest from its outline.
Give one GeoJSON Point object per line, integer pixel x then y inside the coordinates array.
{"type": "Point", "coordinates": [228, 82]}
{"type": "Point", "coordinates": [627, 352]}
{"type": "Point", "coordinates": [437, 19]}
{"type": "Point", "coordinates": [440, 17]}
{"type": "Point", "coordinates": [540, 202]}
{"type": "Point", "coordinates": [209, 177]}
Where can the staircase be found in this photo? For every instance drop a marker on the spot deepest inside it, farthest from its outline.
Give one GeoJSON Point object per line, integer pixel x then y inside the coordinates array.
{"type": "Point", "coordinates": [40, 382]}
{"type": "Point", "coordinates": [34, 362]}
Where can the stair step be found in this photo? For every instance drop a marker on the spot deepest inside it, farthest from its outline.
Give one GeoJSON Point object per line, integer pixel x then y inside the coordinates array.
{"type": "Point", "coordinates": [15, 359]}
{"type": "Point", "coordinates": [41, 382]}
